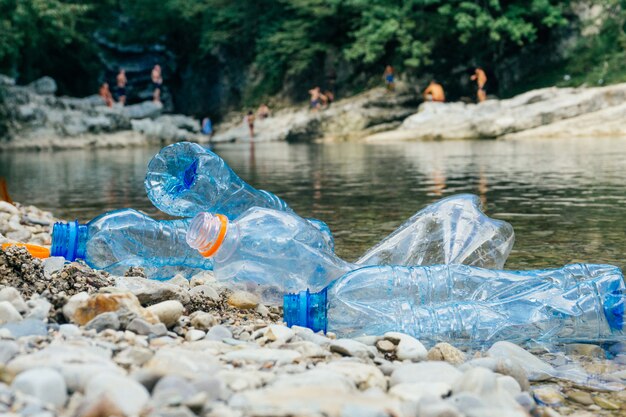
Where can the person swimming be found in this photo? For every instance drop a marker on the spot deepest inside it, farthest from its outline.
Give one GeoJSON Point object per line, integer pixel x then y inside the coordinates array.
{"type": "Point", "coordinates": [434, 92]}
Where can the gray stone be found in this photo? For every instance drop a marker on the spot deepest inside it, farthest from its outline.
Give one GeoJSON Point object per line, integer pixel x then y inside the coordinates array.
{"type": "Point", "coordinates": [408, 347]}
{"type": "Point", "coordinates": [585, 349]}
{"type": "Point", "coordinates": [484, 383]}
{"type": "Point", "coordinates": [218, 333]}
{"type": "Point", "coordinates": [8, 208]}
{"type": "Point", "coordinates": [526, 401]}
{"type": "Point", "coordinates": [142, 327]}
{"type": "Point", "coordinates": [204, 291]}
{"type": "Point", "coordinates": [168, 312]}
{"type": "Point", "coordinates": [52, 265]}
{"type": "Point", "coordinates": [69, 330]}
{"type": "Point", "coordinates": [243, 300]}
{"type": "Point", "coordinates": [431, 372]}
{"type": "Point", "coordinates": [13, 296]}
{"type": "Point", "coordinates": [363, 375]}
{"type": "Point", "coordinates": [193, 334]}
{"type": "Point", "coordinates": [536, 369]}
{"type": "Point", "coordinates": [308, 349]}
{"type": "Point", "coordinates": [133, 356]}
{"type": "Point", "coordinates": [202, 320]}
{"type": "Point", "coordinates": [45, 384]}
{"type": "Point", "coordinates": [322, 377]}
{"type": "Point", "coordinates": [179, 280]}
{"type": "Point", "coordinates": [437, 408]}
{"type": "Point", "coordinates": [172, 390]}
{"type": "Point", "coordinates": [27, 327]}
{"type": "Point", "coordinates": [278, 333]}
{"type": "Point", "coordinates": [280, 356]}
{"type": "Point", "coordinates": [151, 291]}
{"type": "Point", "coordinates": [182, 362]}
{"type": "Point", "coordinates": [548, 395]}
{"type": "Point", "coordinates": [127, 395]}
{"type": "Point", "coordinates": [39, 308]}
{"type": "Point", "coordinates": [446, 352]}
{"type": "Point", "coordinates": [44, 86]}
{"type": "Point", "coordinates": [8, 349]}
{"type": "Point", "coordinates": [385, 346]}
{"type": "Point", "coordinates": [104, 321]}
{"type": "Point", "coordinates": [349, 347]}
{"type": "Point", "coordinates": [501, 366]}
{"type": "Point", "coordinates": [414, 391]}
{"type": "Point", "coordinates": [146, 109]}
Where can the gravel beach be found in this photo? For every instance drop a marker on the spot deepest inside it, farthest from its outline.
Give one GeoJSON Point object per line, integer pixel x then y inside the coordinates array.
{"type": "Point", "coordinates": [79, 342]}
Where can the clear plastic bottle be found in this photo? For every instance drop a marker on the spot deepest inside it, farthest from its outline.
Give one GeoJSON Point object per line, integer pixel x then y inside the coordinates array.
{"type": "Point", "coordinates": [451, 231]}
{"type": "Point", "coordinates": [575, 303]}
{"type": "Point", "coordinates": [185, 179]}
{"type": "Point", "coordinates": [117, 240]}
{"type": "Point", "coordinates": [265, 251]}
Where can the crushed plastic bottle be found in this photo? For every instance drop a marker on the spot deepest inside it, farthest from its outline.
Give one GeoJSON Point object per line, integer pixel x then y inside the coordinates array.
{"type": "Point", "coordinates": [185, 179]}
{"type": "Point", "coordinates": [265, 251]}
{"type": "Point", "coordinates": [573, 304]}
{"type": "Point", "coordinates": [451, 231]}
{"type": "Point", "coordinates": [120, 239]}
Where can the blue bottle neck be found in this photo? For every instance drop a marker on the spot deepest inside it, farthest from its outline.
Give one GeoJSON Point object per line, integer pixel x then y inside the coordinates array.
{"type": "Point", "coordinates": [307, 310]}
{"type": "Point", "coordinates": [69, 240]}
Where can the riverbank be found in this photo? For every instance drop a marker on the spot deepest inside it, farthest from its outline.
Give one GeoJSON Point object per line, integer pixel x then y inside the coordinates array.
{"type": "Point", "coordinates": [75, 341]}
{"type": "Point", "coordinates": [37, 119]}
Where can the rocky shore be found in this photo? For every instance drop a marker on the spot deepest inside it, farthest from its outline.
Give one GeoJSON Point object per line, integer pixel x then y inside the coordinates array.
{"type": "Point", "coordinates": [79, 342]}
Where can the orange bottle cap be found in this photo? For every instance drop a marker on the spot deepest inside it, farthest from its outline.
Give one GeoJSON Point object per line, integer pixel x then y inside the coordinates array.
{"type": "Point", "coordinates": [220, 237]}
{"type": "Point", "coordinates": [35, 250]}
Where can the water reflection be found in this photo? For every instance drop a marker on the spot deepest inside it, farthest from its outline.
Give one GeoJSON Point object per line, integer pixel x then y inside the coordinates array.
{"type": "Point", "coordinates": [565, 198]}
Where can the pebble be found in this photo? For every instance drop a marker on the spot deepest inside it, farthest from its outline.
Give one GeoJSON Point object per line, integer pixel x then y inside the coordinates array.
{"type": "Point", "coordinates": [134, 355]}
{"type": "Point", "coordinates": [581, 397]}
{"type": "Point", "coordinates": [81, 308]}
{"type": "Point", "coordinates": [69, 330]}
{"type": "Point", "coordinates": [52, 265]}
{"type": "Point", "coordinates": [151, 292]}
{"type": "Point", "coordinates": [8, 349]}
{"type": "Point", "coordinates": [408, 348]}
{"type": "Point", "coordinates": [38, 308]}
{"type": "Point", "coordinates": [45, 384]}
{"type": "Point", "coordinates": [8, 208]}
{"type": "Point", "coordinates": [437, 408]}
{"type": "Point", "coordinates": [349, 347]}
{"type": "Point", "coordinates": [202, 320]}
{"type": "Point", "coordinates": [605, 403]}
{"type": "Point", "coordinates": [385, 346]}
{"type": "Point", "coordinates": [315, 377]}
{"type": "Point", "coordinates": [536, 369]}
{"type": "Point", "coordinates": [432, 372]}
{"type": "Point", "coordinates": [193, 334]}
{"type": "Point", "coordinates": [218, 333]}
{"type": "Point", "coordinates": [13, 296]}
{"type": "Point", "coordinates": [179, 280]}
{"type": "Point", "coordinates": [280, 356]}
{"type": "Point", "coordinates": [585, 349]}
{"type": "Point", "coordinates": [203, 278]}
{"type": "Point", "coordinates": [363, 375]}
{"type": "Point", "coordinates": [142, 327]}
{"type": "Point", "coordinates": [414, 391]}
{"type": "Point", "coordinates": [204, 291]}
{"type": "Point", "coordinates": [243, 300]}
{"type": "Point", "coordinates": [8, 313]}
{"type": "Point", "coordinates": [27, 327]}
{"type": "Point", "coordinates": [548, 396]}
{"type": "Point", "coordinates": [104, 321]}
{"type": "Point", "coordinates": [168, 312]}
{"type": "Point", "coordinates": [278, 333]}
{"type": "Point", "coordinates": [127, 394]}
{"type": "Point", "coordinates": [172, 390]}
{"type": "Point", "coordinates": [308, 349]}
{"type": "Point", "coordinates": [447, 353]}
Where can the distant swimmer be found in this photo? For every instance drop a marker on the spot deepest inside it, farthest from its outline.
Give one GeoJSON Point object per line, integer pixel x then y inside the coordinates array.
{"type": "Point", "coordinates": [481, 79]}
{"type": "Point", "coordinates": [434, 92]}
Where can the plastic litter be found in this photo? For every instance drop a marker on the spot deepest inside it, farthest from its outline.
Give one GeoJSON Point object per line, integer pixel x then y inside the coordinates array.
{"type": "Point", "coordinates": [266, 251]}
{"type": "Point", "coordinates": [35, 250]}
{"type": "Point", "coordinates": [451, 231]}
{"type": "Point", "coordinates": [120, 239]}
{"type": "Point", "coordinates": [185, 179]}
{"type": "Point", "coordinates": [512, 305]}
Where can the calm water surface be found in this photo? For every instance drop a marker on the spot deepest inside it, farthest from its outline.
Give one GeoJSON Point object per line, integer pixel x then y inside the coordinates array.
{"type": "Point", "coordinates": [566, 199]}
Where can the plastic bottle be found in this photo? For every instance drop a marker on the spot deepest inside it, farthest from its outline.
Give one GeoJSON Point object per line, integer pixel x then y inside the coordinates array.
{"type": "Point", "coordinates": [451, 231]}
{"type": "Point", "coordinates": [117, 240]}
{"type": "Point", "coordinates": [575, 303]}
{"type": "Point", "coordinates": [185, 179]}
{"type": "Point", "coordinates": [266, 251]}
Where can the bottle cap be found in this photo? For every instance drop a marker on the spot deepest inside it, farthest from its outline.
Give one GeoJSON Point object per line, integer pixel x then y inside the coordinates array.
{"type": "Point", "coordinates": [69, 240]}
{"type": "Point", "coordinates": [35, 250]}
{"type": "Point", "coordinates": [207, 232]}
{"type": "Point", "coordinates": [306, 310]}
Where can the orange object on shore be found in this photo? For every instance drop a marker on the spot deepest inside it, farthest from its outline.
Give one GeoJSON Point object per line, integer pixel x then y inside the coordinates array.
{"type": "Point", "coordinates": [4, 191]}
{"type": "Point", "coordinates": [35, 250]}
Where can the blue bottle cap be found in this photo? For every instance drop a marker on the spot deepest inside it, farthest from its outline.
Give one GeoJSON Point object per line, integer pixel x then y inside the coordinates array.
{"type": "Point", "coordinates": [306, 310]}
{"type": "Point", "coordinates": [69, 240]}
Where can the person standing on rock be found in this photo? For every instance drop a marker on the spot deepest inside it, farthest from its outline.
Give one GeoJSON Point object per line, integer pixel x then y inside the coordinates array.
{"type": "Point", "coordinates": [481, 79]}
{"type": "Point", "coordinates": [106, 95]}
{"type": "Point", "coordinates": [388, 76]}
{"type": "Point", "coordinates": [434, 92]}
{"type": "Point", "coordinates": [120, 89]}
{"type": "Point", "coordinates": [316, 101]}
{"type": "Point", "coordinates": [249, 120]}
{"type": "Point", "coordinates": [157, 83]}
{"type": "Point", "coordinates": [263, 111]}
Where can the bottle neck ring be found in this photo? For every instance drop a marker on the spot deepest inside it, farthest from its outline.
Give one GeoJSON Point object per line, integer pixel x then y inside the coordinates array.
{"type": "Point", "coordinates": [207, 233]}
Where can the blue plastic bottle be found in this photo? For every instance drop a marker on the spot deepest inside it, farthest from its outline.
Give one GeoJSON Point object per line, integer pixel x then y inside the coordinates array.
{"type": "Point", "coordinates": [185, 179]}
{"type": "Point", "coordinates": [575, 303]}
{"type": "Point", "coordinates": [117, 240]}
{"type": "Point", "coordinates": [453, 230]}
{"type": "Point", "coordinates": [265, 251]}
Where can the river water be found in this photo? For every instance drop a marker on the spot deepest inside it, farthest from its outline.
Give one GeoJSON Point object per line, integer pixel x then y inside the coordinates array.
{"type": "Point", "coordinates": [566, 199]}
